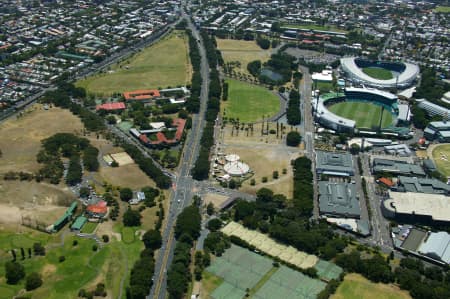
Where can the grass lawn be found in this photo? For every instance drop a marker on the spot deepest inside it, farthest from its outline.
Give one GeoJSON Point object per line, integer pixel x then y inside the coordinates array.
{"type": "Point", "coordinates": [442, 9]}
{"type": "Point", "coordinates": [324, 87]}
{"type": "Point", "coordinates": [441, 157]}
{"type": "Point", "coordinates": [378, 73]}
{"type": "Point", "coordinates": [61, 280]}
{"type": "Point", "coordinates": [356, 286]}
{"type": "Point", "coordinates": [166, 63]}
{"type": "Point", "coordinates": [242, 51]}
{"type": "Point", "coordinates": [210, 282]}
{"type": "Point", "coordinates": [365, 114]}
{"type": "Point", "coordinates": [315, 27]}
{"type": "Point", "coordinates": [128, 235]}
{"type": "Point", "coordinates": [89, 227]}
{"type": "Point", "coordinates": [249, 102]}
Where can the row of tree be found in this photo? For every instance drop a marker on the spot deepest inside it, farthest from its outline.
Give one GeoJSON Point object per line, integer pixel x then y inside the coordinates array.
{"type": "Point", "coordinates": [61, 97]}
{"type": "Point", "coordinates": [422, 282]}
{"type": "Point", "coordinates": [187, 229]}
{"type": "Point", "coordinates": [193, 103]}
{"type": "Point", "coordinates": [293, 114]}
{"type": "Point", "coordinates": [147, 166]}
{"type": "Point", "coordinates": [200, 171]}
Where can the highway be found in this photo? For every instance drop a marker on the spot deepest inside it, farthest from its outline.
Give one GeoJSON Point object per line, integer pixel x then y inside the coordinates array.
{"type": "Point", "coordinates": [181, 193]}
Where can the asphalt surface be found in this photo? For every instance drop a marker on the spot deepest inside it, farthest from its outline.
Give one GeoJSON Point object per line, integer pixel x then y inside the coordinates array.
{"type": "Point", "coordinates": [181, 194]}
{"type": "Point", "coordinates": [379, 225]}
{"type": "Point", "coordinates": [308, 129]}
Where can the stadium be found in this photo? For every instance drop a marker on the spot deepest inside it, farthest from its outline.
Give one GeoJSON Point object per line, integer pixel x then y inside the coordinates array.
{"type": "Point", "coordinates": [380, 74]}
{"type": "Point", "coordinates": [360, 109]}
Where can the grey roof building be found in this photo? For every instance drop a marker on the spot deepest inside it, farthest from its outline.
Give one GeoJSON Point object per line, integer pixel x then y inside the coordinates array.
{"type": "Point", "coordinates": [422, 185]}
{"type": "Point", "coordinates": [338, 199]}
{"type": "Point", "coordinates": [333, 163]}
{"type": "Point", "coordinates": [438, 130]}
{"type": "Point", "coordinates": [397, 167]}
{"type": "Point", "coordinates": [437, 246]}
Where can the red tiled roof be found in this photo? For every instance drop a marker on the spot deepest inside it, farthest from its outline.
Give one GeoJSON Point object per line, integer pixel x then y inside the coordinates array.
{"type": "Point", "coordinates": [96, 209]}
{"type": "Point", "coordinates": [386, 181]}
{"type": "Point", "coordinates": [111, 106]}
{"type": "Point", "coordinates": [144, 138]}
{"type": "Point", "coordinates": [179, 123]}
{"type": "Point", "coordinates": [141, 94]}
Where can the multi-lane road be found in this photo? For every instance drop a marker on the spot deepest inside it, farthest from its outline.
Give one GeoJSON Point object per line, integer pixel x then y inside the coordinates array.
{"type": "Point", "coordinates": [181, 193]}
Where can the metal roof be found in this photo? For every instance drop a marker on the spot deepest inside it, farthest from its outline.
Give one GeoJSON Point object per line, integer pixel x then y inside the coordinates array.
{"type": "Point", "coordinates": [338, 199]}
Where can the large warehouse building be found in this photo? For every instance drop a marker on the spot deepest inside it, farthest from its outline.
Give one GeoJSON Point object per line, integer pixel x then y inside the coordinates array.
{"type": "Point", "coordinates": [338, 200]}
{"type": "Point", "coordinates": [417, 207]}
{"type": "Point", "coordinates": [405, 73]}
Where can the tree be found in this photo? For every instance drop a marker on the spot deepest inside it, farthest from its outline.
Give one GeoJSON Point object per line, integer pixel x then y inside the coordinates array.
{"type": "Point", "coordinates": [13, 253]}
{"type": "Point", "coordinates": [152, 239]}
{"type": "Point", "coordinates": [105, 238]}
{"type": "Point", "coordinates": [111, 120]}
{"type": "Point", "coordinates": [214, 224]}
{"type": "Point", "coordinates": [210, 209]}
{"type": "Point", "coordinates": [14, 272]}
{"type": "Point", "coordinates": [33, 281]}
{"type": "Point", "coordinates": [38, 249]}
{"type": "Point", "coordinates": [131, 218]}
{"type": "Point", "coordinates": [126, 194]}
{"type": "Point", "coordinates": [275, 174]}
{"type": "Point", "coordinates": [22, 252]}
{"type": "Point", "coordinates": [354, 149]}
{"type": "Point", "coordinates": [293, 138]}
{"type": "Point", "coordinates": [62, 258]}
{"type": "Point", "coordinates": [84, 192]}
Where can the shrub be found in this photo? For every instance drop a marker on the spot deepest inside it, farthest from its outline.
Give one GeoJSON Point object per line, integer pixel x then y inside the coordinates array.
{"type": "Point", "coordinates": [62, 258]}
{"type": "Point", "coordinates": [33, 281]}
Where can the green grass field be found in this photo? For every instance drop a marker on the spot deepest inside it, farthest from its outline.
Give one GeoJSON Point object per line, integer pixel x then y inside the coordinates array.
{"type": "Point", "coordinates": [315, 27]}
{"type": "Point", "coordinates": [164, 64]}
{"type": "Point", "coordinates": [442, 9]}
{"type": "Point", "coordinates": [378, 73]}
{"type": "Point", "coordinates": [89, 227]}
{"type": "Point", "coordinates": [82, 268]}
{"type": "Point", "coordinates": [441, 157]}
{"type": "Point", "coordinates": [249, 102]}
{"type": "Point", "coordinates": [355, 286]}
{"type": "Point", "coordinates": [365, 114]}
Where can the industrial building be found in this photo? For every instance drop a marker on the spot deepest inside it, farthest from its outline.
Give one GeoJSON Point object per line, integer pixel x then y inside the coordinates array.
{"type": "Point", "coordinates": [339, 200]}
{"type": "Point", "coordinates": [410, 207]}
{"type": "Point", "coordinates": [334, 163]}
{"type": "Point", "coordinates": [437, 130]}
{"type": "Point", "coordinates": [432, 109]}
{"type": "Point", "coordinates": [421, 185]}
{"type": "Point", "coordinates": [396, 167]}
{"type": "Point", "coordinates": [431, 246]}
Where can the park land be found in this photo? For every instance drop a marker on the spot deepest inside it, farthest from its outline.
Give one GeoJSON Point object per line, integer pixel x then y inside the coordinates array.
{"type": "Point", "coordinates": [166, 63]}
{"type": "Point", "coordinates": [83, 267]}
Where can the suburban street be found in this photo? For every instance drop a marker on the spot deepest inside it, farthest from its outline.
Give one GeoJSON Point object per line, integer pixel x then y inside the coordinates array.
{"type": "Point", "coordinates": [308, 128]}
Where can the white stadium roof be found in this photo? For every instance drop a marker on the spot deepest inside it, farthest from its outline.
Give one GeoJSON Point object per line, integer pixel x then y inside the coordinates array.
{"type": "Point", "coordinates": [236, 168]}
{"type": "Point", "coordinates": [404, 79]}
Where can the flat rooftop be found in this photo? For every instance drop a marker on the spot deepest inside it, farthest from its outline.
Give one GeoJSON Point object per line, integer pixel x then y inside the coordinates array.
{"type": "Point", "coordinates": [338, 199]}
{"type": "Point", "coordinates": [334, 162]}
{"type": "Point", "coordinates": [435, 205]}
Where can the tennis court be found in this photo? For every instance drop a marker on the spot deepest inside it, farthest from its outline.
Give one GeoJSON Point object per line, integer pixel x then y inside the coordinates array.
{"type": "Point", "coordinates": [288, 283]}
{"type": "Point", "coordinates": [227, 291]}
{"type": "Point", "coordinates": [327, 271]}
{"type": "Point", "coordinates": [240, 269]}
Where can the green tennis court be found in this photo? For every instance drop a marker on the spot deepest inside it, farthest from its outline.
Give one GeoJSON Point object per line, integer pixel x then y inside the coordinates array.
{"type": "Point", "coordinates": [327, 271]}
{"type": "Point", "coordinates": [227, 291]}
{"type": "Point", "coordinates": [288, 283]}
